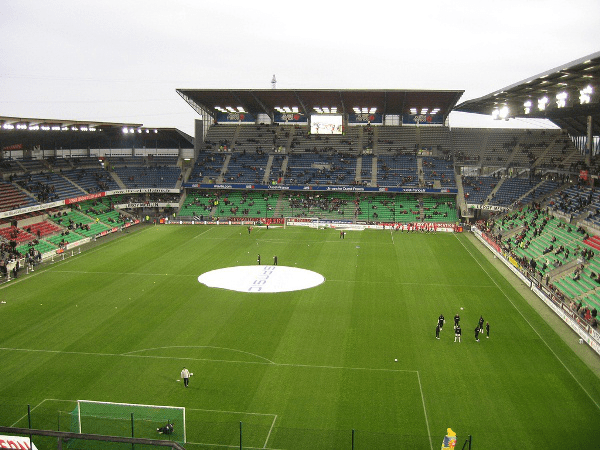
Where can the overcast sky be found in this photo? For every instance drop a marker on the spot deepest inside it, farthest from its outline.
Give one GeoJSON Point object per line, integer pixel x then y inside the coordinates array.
{"type": "Point", "coordinates": [121, 61]}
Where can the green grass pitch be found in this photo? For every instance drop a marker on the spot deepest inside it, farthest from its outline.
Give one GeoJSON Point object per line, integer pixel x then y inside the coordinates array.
{"type": "Point", "coordinates": [299, 370]}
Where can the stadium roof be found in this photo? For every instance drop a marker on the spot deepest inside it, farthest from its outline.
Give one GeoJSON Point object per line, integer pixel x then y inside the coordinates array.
{"type": "Point", "coordinates": [26, 133]}
{"type": "Point", "coordinates": [570, 78]}
{"type": "Point", "coordinates": [265, 101]}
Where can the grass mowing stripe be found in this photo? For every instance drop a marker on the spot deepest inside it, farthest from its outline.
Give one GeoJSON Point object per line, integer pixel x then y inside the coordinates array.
{"type": "Point", "coordinates": [529, 323]}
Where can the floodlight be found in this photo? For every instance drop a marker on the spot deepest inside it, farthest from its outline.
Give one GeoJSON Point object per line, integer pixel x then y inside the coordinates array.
{"type": "Point", "coordinates": [230, 109]}
{"type": "Point", "coordinates": [74, 129]}
{"type": "Point", "coordinates": [585, 95]}
{"type": "Point", "coordinates": [45, 128]}
{"type": "Point", "coordinates": [542, 102]}
{"type": "Point", "coordinates": [326, 109]}
{"type": "Point", "coordinates": [495, 114]}
{"type": "Point", "coordinates": [240, 109]}
{"type": "Point", "coordinates": [334, 110]}
{"type": "Point", "coordinates": [156, 131]}
{"type": "Point", "coordinates": [527, 106]}
{"type": "Point", "coordinates": [92, 129]}
{"type": "Point", "coordinates": [64, 129]}
{"type": "Point", "coordinates": [57, 128]}
{"type": "Point", "coordinates": [364, 110]}
{"type": "Point", "coordinates": [21, 126]}
{"type": "Point", "coordinates": [413, 110]}
{"type": "Point", "coordinates": [435, 111]}
{"type": "Point", "coordinates": [372, 110]}
{"type": "Point", "coordinates": [356, 109]}
{"type": "Point", "coordinates": [139, 130]}
{"type": "Point", "coordinates": [318, 110]}
{"type": "Point", "coordinates": [295, 109]}
{"type": "Point", "coordinates": [424, 110]}
{"type": "Point", "coordinates": [287, 109]}
{"type": "Point", "coordinates": [131, 130]}
{"type": "Point", "coordinates": [83, 129]}
{"type": "Point", "coordinates": [561, 99]}
{"type": "Point", "coordinates": [504, 111]}
{"type": "Point", "coordinates": [147, 131]}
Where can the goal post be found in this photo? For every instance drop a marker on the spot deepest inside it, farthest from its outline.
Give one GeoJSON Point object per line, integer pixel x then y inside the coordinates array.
{"type": "Point", "coordinates": [115, 419]}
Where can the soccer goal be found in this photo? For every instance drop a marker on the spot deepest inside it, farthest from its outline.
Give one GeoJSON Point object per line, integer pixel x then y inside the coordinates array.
{"type": "Point", "coordinates": [128, 419]}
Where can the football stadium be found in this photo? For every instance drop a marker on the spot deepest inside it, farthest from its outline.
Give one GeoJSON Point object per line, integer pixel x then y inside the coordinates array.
{"type": "Point", "coordinates": [313, 269]}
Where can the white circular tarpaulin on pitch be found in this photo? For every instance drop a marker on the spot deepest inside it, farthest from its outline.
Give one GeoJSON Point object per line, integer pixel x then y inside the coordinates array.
{"type": "Point", "coordinates": [261, 278]}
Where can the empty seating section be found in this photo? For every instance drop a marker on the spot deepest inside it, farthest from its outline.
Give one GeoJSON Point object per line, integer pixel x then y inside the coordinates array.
{"type": "Point", "coordinates": [42, 229]}
{"type": "Point", "coordinates": [468, 145]}
{"type": "Point", "coordinates": [16, 234]}
{"type": "Point", "coordinates": [12, 198]}
{"type": "Point", "coordinates": [397, 170]}
{"type": "Point", "coordinates": [148, 177]}
{"type": "Point", "coordinates": [323, 169]}
{"type": "Point", "coordinates": [219, 137]}
{"type": "Point", "coordinates": [246, 168]}
{"type": "Point", "coordinates": [512, 189]}
{"type": "Point", "coordinates": [499, 146]}
{"type": "Point", "coordinates": [539, 192]}
{"type": "Point", "coordinates": [366, 170]}
{"type": "Point", "coordinates": [92, 180]}
{"type": "Point", "coordinates": [276, 172]}
{"type": "Point", "coordinates": [435, 169]}
{"type": "Point", "coordinates": [477, 189]}
{"type": "Point", "coordinates": [48, 186]}
{"type": "Point", "coordinates": [397, 140]}
{"type": "Point", "coordinates": [436, 138]}
{"type": "Point", "coordinates": [209, 166]}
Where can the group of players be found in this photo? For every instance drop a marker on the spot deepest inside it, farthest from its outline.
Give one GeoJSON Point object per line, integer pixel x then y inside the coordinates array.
{"type": "Point", "coordinates": [458, 330]}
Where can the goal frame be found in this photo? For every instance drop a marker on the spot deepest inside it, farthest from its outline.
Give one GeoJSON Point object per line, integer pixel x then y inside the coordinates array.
{"type": "Point", "coordinates": [136, 405]}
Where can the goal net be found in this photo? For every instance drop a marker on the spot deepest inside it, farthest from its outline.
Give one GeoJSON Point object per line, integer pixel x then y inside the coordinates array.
{"type": "Point", "coordinates": [120, 419]}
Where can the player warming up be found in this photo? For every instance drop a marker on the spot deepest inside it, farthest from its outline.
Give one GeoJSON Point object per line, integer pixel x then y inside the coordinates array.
{"type": "Point", "coordinates": [480, 324]}
{"type": "Point", "coordinates": [487, 330]}
{"type": "Point", "coordinates": [457, 333]}
{"type": "Point", "coordinates": [441, 321]}
{"type": "Point", "coordinates": [477, 333]}
{"type": "Point", "coordinates": [456, 320]}
{"type": "Point", "coordinates": [437, 331]}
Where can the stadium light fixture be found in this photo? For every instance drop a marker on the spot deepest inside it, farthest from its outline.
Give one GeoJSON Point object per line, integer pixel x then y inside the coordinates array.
{"type": "Point", "coordinates": [561, 99]}
{"type": "Point", "coordinates": [504, 112]}
{"type": "Point", "coordinates": [8, 126]}
{"type": "Point", "coordinates": [55, 128]}
{"type": "Point", "coordinates": [155, 131]}
{"type": "Point", "coordinates": [34, 128]}
{"type": "Point", "coordinates": [230, 109]}
{"type": "Point", "coordinates": [424, 110]}
{"type": "Point", "coordinates": [542, 102]}
{"type": "Point", "coordinates": [527, 106]}
{"type": "Point", "coordinates": [64, 129]}
{"type": "Point", "coordinates": [326, 109]}
{"type": "Point", "coordinates": [364, 110]}
{"type": "Point", "coordinates": [356, 109]}
{"type": "Point", "coordinates": [92, 129]}
{"type": "Point", "coordinates": [295, 109]}
{"type": "Point", "coordinates": [241, 109]}
{"type": "Point", "coordinates": [413, 110]}
{"type": "Point", "coordinates": [434, 111]}
{"type": "Point", "coordinates": [45, 128]}
{"type": "Point", "coordinates": [125, 130]}
{"type": "Point", "coordinates": [495, 114]}
{"type": "Point", "coordinates": [21, 126]}
{"type": "Point", "coordinates": [372, 110]}
{"type": "Point", "coordinates": [585, 95]}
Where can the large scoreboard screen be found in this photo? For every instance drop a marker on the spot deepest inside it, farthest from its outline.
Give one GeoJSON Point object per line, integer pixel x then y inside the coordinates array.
{"type": "Point", "coordinates": [326, 124]}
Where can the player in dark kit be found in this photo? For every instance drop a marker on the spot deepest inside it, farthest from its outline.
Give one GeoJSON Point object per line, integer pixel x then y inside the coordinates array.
{"type": "Point", "coordinates": [258, 260]}
{"type": "Point", "coordinates": [480, 324]}
{"type": "Point", "coordinates": [441, 321]}
{"type": "Point", "coordinates": [437, 331]}
{"type": "Point", "coordinates": [457, 333]}
{"type": "Point", "coordinates": [487, 330]}
{"type": "Point", "coordinates": [456, 320]}
{"type": "Point", "coordinates": [477, 333]}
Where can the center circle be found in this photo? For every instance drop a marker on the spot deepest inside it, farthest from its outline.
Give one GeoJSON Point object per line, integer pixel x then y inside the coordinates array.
{"type": "Point", "coordinates": [261, 279]}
